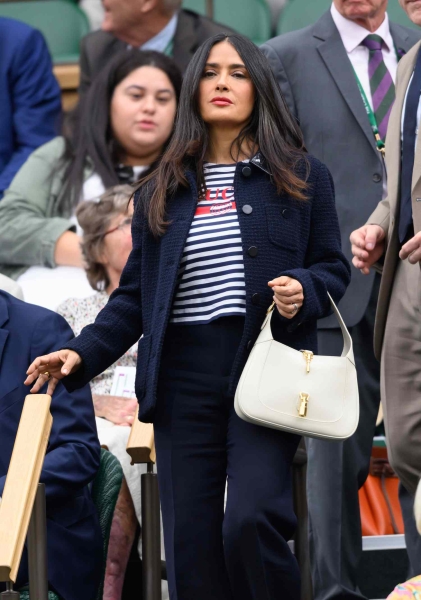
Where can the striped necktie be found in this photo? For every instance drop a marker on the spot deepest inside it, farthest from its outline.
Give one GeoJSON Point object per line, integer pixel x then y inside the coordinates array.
{"type": "Point", "coordinates": [381, 83]}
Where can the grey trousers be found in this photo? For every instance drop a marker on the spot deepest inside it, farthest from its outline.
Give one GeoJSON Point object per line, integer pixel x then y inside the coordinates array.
{"type": "Point", "coordinates": [336, 471]}
{"type": "Point", "coordinates": [401, 375]}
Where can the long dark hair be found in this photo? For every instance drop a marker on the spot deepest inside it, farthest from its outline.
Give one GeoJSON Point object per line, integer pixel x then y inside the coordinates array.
{"type": "Point", "coordinates": [271, 129]}
{"type": "Point", "coordinates": [87, 130]}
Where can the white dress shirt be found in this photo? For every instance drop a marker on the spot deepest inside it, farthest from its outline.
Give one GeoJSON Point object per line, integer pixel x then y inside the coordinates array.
{"type": "Point", "coordinates": [162, 40]}
{"type": "Point", "coordinates": [352, 36]}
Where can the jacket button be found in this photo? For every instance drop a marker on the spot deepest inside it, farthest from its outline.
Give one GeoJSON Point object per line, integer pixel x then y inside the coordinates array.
{"type": "Point", "coordinates": [246, 171]}
{"type": "Point", "coordinates": [252, 251]}
{"type": "Point", "coordinates": [255, 299]}
{"type": "Point", "coordinates": [377, 177]}
{"type": "Point", "coordinates": [286, 213]}
{"type": "Point", "coordinates": [249, 345]}
{"type": "Point", "coordinates": [247, 209]}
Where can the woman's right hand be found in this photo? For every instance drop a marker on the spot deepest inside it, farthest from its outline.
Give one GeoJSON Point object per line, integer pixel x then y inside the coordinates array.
{"type": "Point", "coordinates": [52, 367]}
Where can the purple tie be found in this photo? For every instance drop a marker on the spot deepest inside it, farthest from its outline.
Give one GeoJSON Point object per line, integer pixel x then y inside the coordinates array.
{"type": "Point", "coordinates": [381, 83]}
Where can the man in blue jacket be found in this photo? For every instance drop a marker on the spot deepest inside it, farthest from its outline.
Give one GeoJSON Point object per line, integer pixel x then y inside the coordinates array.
{"type": "Point", "coordinates": [30, 104]}
{"type": "Point", "coordinates": [74, 543]}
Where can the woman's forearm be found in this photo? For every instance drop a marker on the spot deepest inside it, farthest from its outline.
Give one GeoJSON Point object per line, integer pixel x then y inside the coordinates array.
{"type": "Point", "coordinates": [68, 250]}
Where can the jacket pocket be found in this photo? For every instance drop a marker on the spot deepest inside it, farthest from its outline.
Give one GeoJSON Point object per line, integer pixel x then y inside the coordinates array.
{"type": "Point", "coordinates": [142, 365]}
{"type": "Point", "coordinates": [283, 224]}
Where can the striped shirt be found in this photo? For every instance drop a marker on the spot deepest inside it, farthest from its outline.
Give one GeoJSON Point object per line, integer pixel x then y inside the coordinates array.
{"type": "Point", "coordinates": [211, 275]}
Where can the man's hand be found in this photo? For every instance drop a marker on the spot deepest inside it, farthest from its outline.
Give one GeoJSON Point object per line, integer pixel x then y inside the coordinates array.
{"type": "Point", "coordinates": [118, 410]}
{"type": "Point", "coordinates": [367, 244]}
{"type": "Point", "coordinates": [288, 295]}
{"type": "Point", "coordinates": [412, 250]}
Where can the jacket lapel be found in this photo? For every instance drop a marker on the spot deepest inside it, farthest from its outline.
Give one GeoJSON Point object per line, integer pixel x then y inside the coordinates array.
{"type": "Point", "coordinates": [335, 57]}
{"type": "Point", "coordinates": [4, 317]}
{"type": "Point", "coordinates": [416, 175]}
{"type": "Point", "coordinates": [185, 39]}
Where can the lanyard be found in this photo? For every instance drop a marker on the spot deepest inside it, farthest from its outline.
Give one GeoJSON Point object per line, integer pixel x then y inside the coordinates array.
{"type": "Point", "coordinates": [371, 117]}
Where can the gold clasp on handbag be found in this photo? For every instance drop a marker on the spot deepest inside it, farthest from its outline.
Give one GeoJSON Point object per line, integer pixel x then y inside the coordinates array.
{"type": "Point", "coordinates": [308, 355]}
{"type": "Point", "coordinates": [271, 307]}
{"type": "Point", "coordinates": [302, 411]}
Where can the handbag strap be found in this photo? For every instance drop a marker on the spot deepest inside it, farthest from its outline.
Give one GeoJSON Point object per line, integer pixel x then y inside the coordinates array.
{"type": "Point", "coordinates": [347, 352]}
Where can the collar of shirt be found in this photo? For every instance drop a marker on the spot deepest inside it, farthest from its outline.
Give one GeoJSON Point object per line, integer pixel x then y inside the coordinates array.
{"type": "Point", "coordinates": [353, 34]}
{"type": "Point", "coordinates": [162, 39]}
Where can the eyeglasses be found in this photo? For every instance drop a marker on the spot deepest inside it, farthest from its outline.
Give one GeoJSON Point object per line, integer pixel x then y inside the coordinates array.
{"type": "Point", "coordinates": [124, 225]}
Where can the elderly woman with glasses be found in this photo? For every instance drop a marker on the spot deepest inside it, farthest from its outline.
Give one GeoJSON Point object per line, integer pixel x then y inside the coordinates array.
{"type": "Point", "coordinates": [106, 245]}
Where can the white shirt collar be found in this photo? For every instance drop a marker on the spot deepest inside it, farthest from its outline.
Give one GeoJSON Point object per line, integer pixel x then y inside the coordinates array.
{"type": "Point", "coordinates": [162, 39]}
{"type": "Point", "coordinates": [353, 34]}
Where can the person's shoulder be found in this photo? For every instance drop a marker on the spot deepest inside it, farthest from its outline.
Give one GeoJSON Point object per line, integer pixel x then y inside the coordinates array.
{"type": "Point", "coordinates": [79, 305]}
{"type": "Point", "coordinates": [54, 149]}
{"type": "Point", "coordinates": [98, 40]}
{"type": "Point", "coordinates": [206, 26]}
{"type": "Point", "coordinates": [16, 32]}
{"type": "Point", "coordinates": [28, 317]}
{"type": "Point", "coordinates": [292, 41]}
{"type": "Point", "coordinates": [411, 36]}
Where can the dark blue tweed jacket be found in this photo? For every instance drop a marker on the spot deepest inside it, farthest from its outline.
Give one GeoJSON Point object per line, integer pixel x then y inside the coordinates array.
{"type": "Point", "coordinates": [300, 239]}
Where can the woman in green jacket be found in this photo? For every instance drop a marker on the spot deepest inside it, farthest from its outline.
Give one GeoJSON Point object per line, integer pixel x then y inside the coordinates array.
{"type": "Point", "coordinates": [117, 132]}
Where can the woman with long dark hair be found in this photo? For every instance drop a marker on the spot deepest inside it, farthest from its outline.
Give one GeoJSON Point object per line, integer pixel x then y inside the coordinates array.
{"type": "Point", "coordinates": [236, 214]}
{"type": "Point", "coordinates": [113, 136]}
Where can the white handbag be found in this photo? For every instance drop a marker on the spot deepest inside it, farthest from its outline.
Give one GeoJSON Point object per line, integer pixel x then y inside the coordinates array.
{"type": "Point", "coordinates": [310, 395]}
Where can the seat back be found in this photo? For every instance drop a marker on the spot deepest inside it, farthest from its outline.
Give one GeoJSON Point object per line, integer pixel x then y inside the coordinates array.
{"type": "Point", "coordinates": [62, 23]}
{"type": "Point", "coordinates": [301, 13]}
{"type": "Point", "coordinates": [105, 490]}
{"type": "Point", "coordinates": [252, 18]}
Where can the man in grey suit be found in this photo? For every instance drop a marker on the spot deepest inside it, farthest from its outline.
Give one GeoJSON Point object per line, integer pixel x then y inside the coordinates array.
{"type": "Point", "coordinates": [160, 25]}
{"type": "Point", "coordinates": [337, 77]}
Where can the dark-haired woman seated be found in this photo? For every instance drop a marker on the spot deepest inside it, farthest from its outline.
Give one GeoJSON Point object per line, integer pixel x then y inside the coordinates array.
{"type": "Point", "coordinates": [112, 137]}
{"type": "Point", "coordinates": [235, 215]}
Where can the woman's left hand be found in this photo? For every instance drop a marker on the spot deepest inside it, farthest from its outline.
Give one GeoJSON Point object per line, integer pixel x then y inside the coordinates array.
{"type": "Point", "coordinates": [288, 295]}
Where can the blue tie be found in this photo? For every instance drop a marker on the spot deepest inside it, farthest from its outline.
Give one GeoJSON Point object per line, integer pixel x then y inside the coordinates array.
{"type": "Point", "coordinates": [408, 150]}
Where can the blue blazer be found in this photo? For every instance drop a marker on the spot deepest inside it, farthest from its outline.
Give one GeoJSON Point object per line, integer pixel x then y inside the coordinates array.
{"type": "Point", "coordinates": [30, 104]}
{"type": "Point", "coordinates": [73, 534]}
{"type": "Point", "coordinates": [299, 239]}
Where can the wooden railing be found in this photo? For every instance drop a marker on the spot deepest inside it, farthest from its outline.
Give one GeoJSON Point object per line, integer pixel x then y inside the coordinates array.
{"type": "Point", "coordinates": [22, 482]}
{"type": "Point", "coordinates": [141, 444]}
{"type": "Point", "coordinates": [68, 77]}
{"type": "Point", "coordinates": [141, 447]}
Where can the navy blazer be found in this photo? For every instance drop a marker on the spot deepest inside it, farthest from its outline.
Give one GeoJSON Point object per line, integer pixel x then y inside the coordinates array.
{"type": "Point", "coordinates": [280, 236]}
{"type": "Point", "coordinates": [30, 99]}
{"type": "Point", "coordinates": [74, 541]}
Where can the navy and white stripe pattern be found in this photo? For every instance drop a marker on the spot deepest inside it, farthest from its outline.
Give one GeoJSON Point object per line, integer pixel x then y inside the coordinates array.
{"type": "Point", "coordinates": [211, 276]}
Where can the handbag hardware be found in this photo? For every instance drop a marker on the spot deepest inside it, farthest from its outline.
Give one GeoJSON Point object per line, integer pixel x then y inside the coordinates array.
{"type": "Point", "coordinates": [275, 391]}
{"type": "Point", "coordinates": [308, 355]}
{"type": "Point", "coordinates": [304, 398]}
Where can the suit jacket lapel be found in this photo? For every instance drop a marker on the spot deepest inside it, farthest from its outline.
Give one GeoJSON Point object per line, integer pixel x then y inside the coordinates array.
{"type": "Point", "coordinates": [416, 175]}
{"type": "Point", "coordinates": [185, 39]}
{"type": "Point", "coordinates": [335, 57]}
{"type": "Point", "coordinates": [4, 317]}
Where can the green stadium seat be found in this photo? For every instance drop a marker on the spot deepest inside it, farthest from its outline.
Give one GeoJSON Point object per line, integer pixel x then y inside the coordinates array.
{"type": "Point", "coordinates": [399, 16]}
{"type": "Point", "coordinates": [301, 13]}
{"type": "Point", "coordinates": [62, 23]}
{"type": "Point", "coordinates": [249, 17]}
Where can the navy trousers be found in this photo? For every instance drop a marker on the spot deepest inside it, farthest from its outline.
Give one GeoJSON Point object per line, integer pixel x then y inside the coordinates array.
{"type": "Point", "coordinates": [201, 444]}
